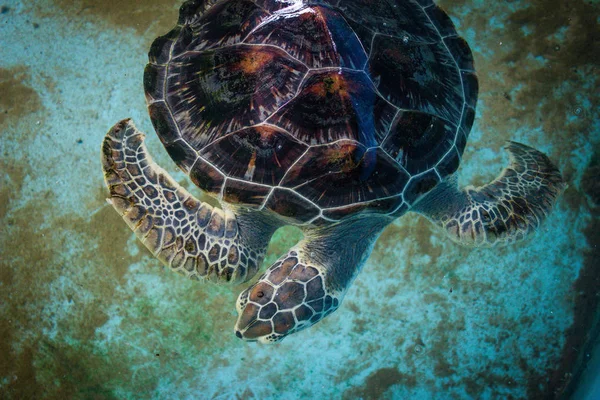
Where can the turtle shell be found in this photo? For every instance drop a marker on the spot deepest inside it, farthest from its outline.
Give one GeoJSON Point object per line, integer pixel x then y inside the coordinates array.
{"type": "Point", "coordinates": [313, 109]}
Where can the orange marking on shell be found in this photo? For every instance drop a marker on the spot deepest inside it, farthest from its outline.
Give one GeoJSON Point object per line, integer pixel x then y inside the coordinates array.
{"type": "Point", "coordinates": [333, 84]}
{"type": "Point", "coordinates": [268, 136]}
{"type": "Point", "coordinates": [315, 14]}
{"type": "Point", "coordinates": [251, 167]}
{"type": "Point", "coordinates": [265, 132]}
{"type": "Point", "coordinates": [342, 157]}
{"type": "Point", "coordinates": [255, 60]}
{"type": "Point", "coordinates": [277, 159]}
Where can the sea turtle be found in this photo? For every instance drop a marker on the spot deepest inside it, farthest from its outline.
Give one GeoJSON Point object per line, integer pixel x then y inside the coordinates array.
{"type": "Point", "coordinates": [336, 116]}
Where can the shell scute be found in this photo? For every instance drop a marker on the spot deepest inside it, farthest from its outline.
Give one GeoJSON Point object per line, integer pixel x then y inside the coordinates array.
{"type": "Point", "coordinates": [449, 164]}
{"type": "Point", "coordinates": [225, 23]}
{"type": "Point", "coordinates": [466, 122]}
{"type": "Point", "coordinates": [418, 140]}
{"type": "Point", "coordinates": [207, 177]}
{"type": "Point", "coordinates": [459, 49]}
{"type": "Point", "coordinates": [415, 76]}
{"type": "Point", "coordinates": [290, 205]}
{"type": "Point", "coordinates": [163, 122]}
{"type": "Point", "coordinates": [348, 174]}
{"type": "Point", "coordinates": [182, 154]}
{"type": "Point", "coordinates": [420, 185]}
{"type": "Point", "coordinates": [441, 21]}
{"type": "Point", "coordinates": [160, 50]}
{"type": "Point", "coordinates": [391, 17]}
{"type": "Point", "coordinates": [471, 87]}
{"type": "Point", "coordinates": [385, 206]}
{"type": "Point", "coordinates": [260, 154]}
{"type": "Point", "coordinates": [245, 193]}
{"type": "Point", "coordinates": [318, 161]}
{"type": "Point", "coordinates": [154, 80]}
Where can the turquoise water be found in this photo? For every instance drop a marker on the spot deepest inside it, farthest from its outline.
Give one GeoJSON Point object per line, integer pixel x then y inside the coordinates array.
{"type": "Point", "coordinates": [87, 312]}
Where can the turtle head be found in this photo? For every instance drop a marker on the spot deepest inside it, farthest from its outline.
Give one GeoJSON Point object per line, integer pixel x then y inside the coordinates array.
{"type": "Point", "coordinates": [289, 297]}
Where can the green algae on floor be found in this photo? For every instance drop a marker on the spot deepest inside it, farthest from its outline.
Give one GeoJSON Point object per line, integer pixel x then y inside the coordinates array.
{"type": "Point", "coordinates": [88, 308]}
{"type": "Point", "coordinates": [146, 18]}
{"type": "Point", "coordinates": [18, 99]}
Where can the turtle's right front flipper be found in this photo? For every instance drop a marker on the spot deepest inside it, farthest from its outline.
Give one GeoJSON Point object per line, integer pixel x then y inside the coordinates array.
{"type": "Point", "coordinates": [503, 211]}
{"type": "Point", "coordinates": [190, 237]}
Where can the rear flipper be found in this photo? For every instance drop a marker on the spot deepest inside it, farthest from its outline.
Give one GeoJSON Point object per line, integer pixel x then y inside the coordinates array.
{"type": "Point", "coordinates": [503, 211]}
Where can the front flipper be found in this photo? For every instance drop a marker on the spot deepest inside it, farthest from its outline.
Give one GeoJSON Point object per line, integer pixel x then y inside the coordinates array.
{"type": "Point", "coordinates": [192, 238]}
{"type": "Point", "coordinates": [503, 211]}
{"type": "Point", "coordinates": [308, 283]}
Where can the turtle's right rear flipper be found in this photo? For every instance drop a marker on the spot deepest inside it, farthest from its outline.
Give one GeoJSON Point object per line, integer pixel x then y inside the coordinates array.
{"type": "Point", "coordinates": [503, 211]}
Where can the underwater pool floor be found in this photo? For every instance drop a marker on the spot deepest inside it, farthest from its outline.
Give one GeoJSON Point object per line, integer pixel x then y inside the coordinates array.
{"type": "Point", "coordinates": [87, 312]}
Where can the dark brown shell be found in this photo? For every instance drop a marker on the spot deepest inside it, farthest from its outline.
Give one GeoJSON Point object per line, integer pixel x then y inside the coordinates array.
{"type": "Point", "coordinates": [313, 109]}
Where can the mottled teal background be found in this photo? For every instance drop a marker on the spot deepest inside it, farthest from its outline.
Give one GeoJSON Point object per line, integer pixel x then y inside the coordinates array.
{"type": "Point", "coordinates": [86, 311]}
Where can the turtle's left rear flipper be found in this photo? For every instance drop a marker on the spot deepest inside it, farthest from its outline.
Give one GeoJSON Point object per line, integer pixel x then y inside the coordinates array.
{"type": "Point", "coordinates": [503, 211]}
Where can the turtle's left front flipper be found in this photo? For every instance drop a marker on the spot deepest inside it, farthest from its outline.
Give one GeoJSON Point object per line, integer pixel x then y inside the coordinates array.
{"type": "Point", "coordinates": [191, 237]}
{"type": "Point", "coordinates": [503, 211]}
